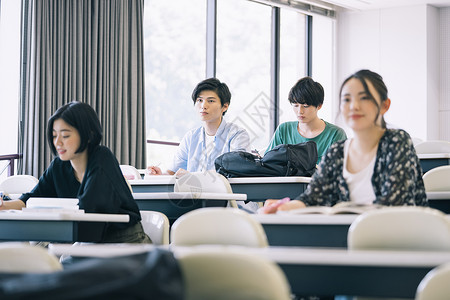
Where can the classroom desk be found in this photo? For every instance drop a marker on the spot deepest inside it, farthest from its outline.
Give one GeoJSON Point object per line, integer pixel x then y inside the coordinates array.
{"type": "Point", "coordinates": [439, 200]}
{"type": "Point", "coordinates": [326, 272]}
{"type": "Point", "coordinates": [55, 227]}
{"type": "Point", "coordinates": [256, 188]}
{"type": "Point", "coordinates": [175, 204]}
{"type": "Point", "coordinates": [309, 230]}
{"type": "Point", "coordinates": [153, 184]}
{"type": "Point", "coordinates": [315, 271]}
{"type": "Point", "coordinates": [430, 161]}
{"type": "Point", "coordinates": [262, 188]}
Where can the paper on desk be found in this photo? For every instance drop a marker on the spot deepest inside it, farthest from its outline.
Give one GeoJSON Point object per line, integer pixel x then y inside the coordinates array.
{"type": "Point", "coordinates": [66, 203]}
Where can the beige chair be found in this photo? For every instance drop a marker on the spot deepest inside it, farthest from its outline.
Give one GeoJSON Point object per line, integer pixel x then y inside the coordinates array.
{"type": "Point", "coordinates": [224, 274]}
{"type": "Point", "coordinates": [435, 285]}
{"type": "Point", "coordinates": [16, 185]}
{"type": "Point", "coordinates": [207, 182]}
{"type": "Point", "coordinates": [416, 140]}
{"type": "Point", "coordinates": [217, 226]}
{"type": "Point", "coordinates": [130, 172]}
{"type": "Point", "coordinates": [432, 146]}
{"type": "Point", "coordinates": [437, 179]}
{"type": "Point", "coordinates": [400, 228]}
{"type": "Point", "coordinates": [407, 228]}
{"type": "Point", "coordinates": [24, 258]}
{"type": "Point", "coordinates": [156, 226]}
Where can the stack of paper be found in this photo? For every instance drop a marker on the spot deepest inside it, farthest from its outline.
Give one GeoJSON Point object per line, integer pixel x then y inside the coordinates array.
{"type": "Point", "coordinates": [52, 205]}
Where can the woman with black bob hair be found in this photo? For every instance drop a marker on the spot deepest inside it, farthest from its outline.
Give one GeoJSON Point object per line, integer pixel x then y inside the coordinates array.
{"type": "Point", "coordinates": [86, 170]}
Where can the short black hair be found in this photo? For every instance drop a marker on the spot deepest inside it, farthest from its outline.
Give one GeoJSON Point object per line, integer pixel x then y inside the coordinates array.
{"type": "Point", "coordinates": [213, 84]}
{"type": "Point", "coordinates": [378, 84]}
{"type": "Point", "coordinates": [307, 91]}
{"type": "Point", "coordinates": [83, 118]}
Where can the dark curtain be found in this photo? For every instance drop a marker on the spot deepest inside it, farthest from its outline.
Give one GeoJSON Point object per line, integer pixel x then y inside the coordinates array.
{"type": "Point", "coordinates": [89, 51]}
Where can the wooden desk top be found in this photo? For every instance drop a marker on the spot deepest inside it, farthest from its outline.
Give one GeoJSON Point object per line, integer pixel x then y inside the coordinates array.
{"type": "Point", "coordinates": [263, 180]}
{"type": "Point", "coordinates": [153, 180]}
{"type": "Point", "coordinates": [170, 179]}
{"type": "Point", "coordinates": [324, 256]}
{"type": "Point", "coordinates": [283, 255]}
{"type": "Point", "coordinates": [298, 219]}
{"type": "Point", "coordinates": [63, 216]}
{"type": "Point", "coordinates": [438, 195]}
{"type": "Point", "coordinates": [188, 195]}
{"type": "Point", "coordinates": [433, 155]}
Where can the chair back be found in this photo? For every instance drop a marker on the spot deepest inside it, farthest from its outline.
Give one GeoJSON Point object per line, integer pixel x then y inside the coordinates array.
{"type": "Point", "coordinates": [217, 226]}
{"type": "Point", "coordinates": [207, 182]}
{"type": "Point", "coordinates": [400, 228]}
{"type": "Point", "coordinates": [130, 172]}
{"type": "Point", "coordinates": [18, 257]}
{"type": "Point", "coordinates": [437, 179]}
{"type": "Point", "coordinates": [224, 274]}
{"type": "Point", "coordinates": [18, 184]}
{"type": "Point", "coordinates": [416, 140]}
{"type": "Point", "coordinates": [156, 226]}
{"type": "Point", "coordinates": [435, 285]}
{"type": "Point", "coordinates": [433, 146]}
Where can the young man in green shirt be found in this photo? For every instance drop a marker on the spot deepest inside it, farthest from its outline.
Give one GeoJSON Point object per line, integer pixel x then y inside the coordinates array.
{"type": "Point", "coordinates": [306, 98]}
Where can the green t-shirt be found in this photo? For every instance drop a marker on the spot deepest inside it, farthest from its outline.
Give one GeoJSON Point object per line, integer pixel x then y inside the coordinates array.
{"type": "Point", "coordinates": [287, 133]}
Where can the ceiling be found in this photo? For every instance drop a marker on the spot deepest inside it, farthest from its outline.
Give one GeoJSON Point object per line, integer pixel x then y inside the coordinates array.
{"type": "Point", "coordinates": [377, 4]}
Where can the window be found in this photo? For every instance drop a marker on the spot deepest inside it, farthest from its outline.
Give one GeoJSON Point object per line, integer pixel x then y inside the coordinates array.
{"type": "Point", "coordinates": [243, 63]}
{"type": "Point", "coordinates": [175, 61]}
{"type": "Point", "coordinates": [175, 55]}
{"type": "Point", "coordinates": [9, 78]}
{"type": "Point", "coordinates": [292, 58]}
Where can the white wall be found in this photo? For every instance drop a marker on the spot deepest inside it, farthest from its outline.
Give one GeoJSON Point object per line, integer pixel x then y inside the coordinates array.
{"type": "Point", "coordinates": [444, 107]}
{"type": "Point", "coordinates": [402, 45]}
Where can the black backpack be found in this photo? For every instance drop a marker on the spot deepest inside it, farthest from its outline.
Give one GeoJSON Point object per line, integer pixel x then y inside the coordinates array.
{"type": "Point", "coordinates": [283, 160]}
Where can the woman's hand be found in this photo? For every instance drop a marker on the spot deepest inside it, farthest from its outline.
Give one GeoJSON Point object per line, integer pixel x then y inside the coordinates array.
{"type": "Point", "coordinates": [294, 204]}
{"type": "Point", "coordinates": [271, 206]}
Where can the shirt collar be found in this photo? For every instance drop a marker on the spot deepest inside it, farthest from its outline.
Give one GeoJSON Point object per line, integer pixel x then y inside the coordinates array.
{"type": "Point", "coordinates": [218, 132]}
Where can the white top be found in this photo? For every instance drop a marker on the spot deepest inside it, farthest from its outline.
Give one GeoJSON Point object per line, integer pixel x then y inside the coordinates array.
{"type": "Point", "coordinates": [209, 147]}
{"type": "Point", "coordinates": [359, 184]}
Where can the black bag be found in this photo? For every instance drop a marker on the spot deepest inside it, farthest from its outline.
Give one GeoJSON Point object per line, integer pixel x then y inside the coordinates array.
{"type": "Point", "coordinates": [150, 275]}
{"type": "Point", "coordinates": [283, 160]}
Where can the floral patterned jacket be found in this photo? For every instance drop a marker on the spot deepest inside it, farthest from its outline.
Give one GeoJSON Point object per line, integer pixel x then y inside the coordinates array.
{"type": "Point", "coordinates": [396, 180]}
